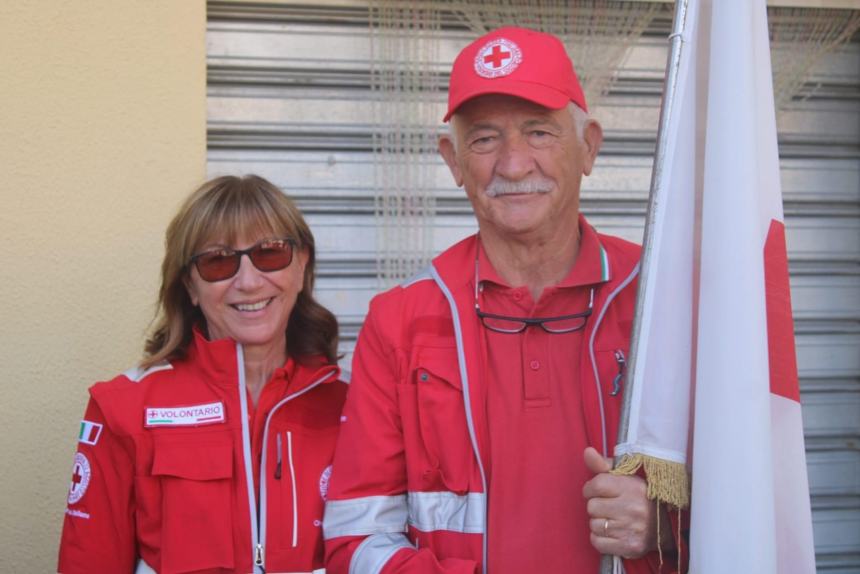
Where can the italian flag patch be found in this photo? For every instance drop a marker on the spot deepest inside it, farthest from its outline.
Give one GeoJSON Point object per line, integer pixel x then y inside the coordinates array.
{"type": "Point", "coordinates": [90, 432]}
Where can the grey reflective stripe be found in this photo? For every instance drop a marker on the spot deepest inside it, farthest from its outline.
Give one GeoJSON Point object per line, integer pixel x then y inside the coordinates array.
{"type": "Point", "coordinates": [136, 374]}
{"type": "Point", "coordinates": [364, 516]}
{"type": "Point", "coordinates": [143, 568]}
{"type": "Point", "coordinates": [600, 315]}
{"type": "Point", "coordinates": [429, 511]}
{"type": "Point", "coordinates": [426, 511]}
{"type": "Point", "coordinates": [246, 452]}
{"type": "Point", "coordinates": [421, 275]}
{"type": "Point", "coordinates": [467, 400]}
{"type": "Point", "coordinates": [373, 553]}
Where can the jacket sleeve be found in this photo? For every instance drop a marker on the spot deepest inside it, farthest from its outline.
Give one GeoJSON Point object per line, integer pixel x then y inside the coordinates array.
{"type": "Point", "coordinates": [366, 514]}
{"type": "Point", "coordinates": [98, 529]}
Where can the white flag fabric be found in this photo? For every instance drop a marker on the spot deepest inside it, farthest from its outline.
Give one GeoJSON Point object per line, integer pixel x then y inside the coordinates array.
{"type": "Point", "coordinates": [714, 378]}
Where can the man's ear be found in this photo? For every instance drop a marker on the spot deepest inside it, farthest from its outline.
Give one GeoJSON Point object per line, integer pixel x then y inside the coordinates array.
{"type": "Point", "coordinates": [592, 136]}
{"type": "Point", "coordinates": [449, 154]}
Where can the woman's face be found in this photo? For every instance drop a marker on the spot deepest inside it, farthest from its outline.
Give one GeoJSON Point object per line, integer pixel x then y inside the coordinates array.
{"type": "Point", "coordinates": [252, 307]}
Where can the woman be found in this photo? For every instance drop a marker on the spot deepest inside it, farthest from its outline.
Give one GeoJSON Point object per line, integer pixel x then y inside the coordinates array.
{"type": "Point", "coordinates": [213, 455]}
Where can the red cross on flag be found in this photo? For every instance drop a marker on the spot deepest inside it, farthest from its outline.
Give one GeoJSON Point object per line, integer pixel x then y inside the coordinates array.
{"type": "Point", "coordinates": [713, 385]}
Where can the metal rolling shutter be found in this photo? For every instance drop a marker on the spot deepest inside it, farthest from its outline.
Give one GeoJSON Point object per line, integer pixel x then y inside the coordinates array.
{"type": "Point", "coordinates": [289, 98]}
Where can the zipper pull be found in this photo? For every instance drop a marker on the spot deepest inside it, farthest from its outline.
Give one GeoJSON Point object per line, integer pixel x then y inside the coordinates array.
{"type": "Point", "coordinates": [258, 555]}
{"type": "Point", "coordinates": [616, 382]}
{"type": "Point", "coordinates": [278, 464]}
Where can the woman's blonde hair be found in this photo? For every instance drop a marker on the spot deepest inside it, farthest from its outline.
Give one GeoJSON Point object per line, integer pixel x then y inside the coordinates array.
{"type": "Point", "coordinates": [227, 208]}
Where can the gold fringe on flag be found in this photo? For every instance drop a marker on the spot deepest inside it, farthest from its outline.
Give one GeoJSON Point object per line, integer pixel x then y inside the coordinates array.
{"type": "Point", "coordinates": [667, 481]}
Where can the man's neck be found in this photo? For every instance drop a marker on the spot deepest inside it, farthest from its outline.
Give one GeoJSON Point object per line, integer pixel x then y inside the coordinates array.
{"type": "Point", "coordinates": [534, 262]}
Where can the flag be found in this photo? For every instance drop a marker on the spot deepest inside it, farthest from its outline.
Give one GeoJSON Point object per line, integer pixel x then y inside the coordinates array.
{"type": "Point", "coordinates": [713, 377]}
{"type": "Point", "coordinates": [89, 432]}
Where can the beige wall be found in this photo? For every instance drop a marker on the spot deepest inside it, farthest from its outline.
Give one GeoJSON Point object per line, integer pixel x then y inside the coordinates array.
{"type": "Point", "coordinates": [102, 131]}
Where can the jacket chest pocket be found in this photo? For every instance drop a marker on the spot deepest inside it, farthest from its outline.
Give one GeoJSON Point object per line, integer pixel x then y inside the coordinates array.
{"type": "Point", "coordinates": [435, 431]}
{"type": "Point", "coordinates": [196, 491]}
{"type": "Point", "coordinates": [297, 476]}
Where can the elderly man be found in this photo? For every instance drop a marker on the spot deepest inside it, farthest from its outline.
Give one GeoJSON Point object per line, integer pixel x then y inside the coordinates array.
{"type": "Point", "coordinates": [481, 385]}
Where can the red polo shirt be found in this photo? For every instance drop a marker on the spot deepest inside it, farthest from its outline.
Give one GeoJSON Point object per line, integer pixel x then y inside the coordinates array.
{"type": "Point", "coordinates": [537, 515]}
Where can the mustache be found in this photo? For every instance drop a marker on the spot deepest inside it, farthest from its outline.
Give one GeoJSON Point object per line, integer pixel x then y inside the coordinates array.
{"type": "Point", "coordinates": [501, 186]}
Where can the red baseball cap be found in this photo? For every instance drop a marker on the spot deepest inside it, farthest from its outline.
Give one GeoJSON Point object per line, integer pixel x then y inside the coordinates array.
{"type": "Point", "coordinates": [518, 62]}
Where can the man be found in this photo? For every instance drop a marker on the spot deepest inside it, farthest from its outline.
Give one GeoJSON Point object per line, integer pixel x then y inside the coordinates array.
{"type": "Point", "coordinates": [480, 385]}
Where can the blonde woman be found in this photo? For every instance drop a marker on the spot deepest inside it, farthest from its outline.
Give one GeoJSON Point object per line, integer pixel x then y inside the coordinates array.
{"type": "Point", "coordinates": [213, 454]}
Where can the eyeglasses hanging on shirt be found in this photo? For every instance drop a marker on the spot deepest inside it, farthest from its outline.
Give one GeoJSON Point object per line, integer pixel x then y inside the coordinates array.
{"type": "Point", "coordinates": [512, 325]}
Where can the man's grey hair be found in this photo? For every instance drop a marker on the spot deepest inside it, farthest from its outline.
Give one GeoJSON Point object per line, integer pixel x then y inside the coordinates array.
{"type": "Point", "coordinates": [580, 118]}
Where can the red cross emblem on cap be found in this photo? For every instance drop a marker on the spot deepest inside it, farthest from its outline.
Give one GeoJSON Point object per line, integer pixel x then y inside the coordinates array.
{"type": "Point", "coordinates": [497, 58]}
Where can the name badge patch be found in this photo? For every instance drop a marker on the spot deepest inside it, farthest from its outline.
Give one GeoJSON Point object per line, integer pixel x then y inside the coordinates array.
{"type": "Point", "coordinates": [193, 415]}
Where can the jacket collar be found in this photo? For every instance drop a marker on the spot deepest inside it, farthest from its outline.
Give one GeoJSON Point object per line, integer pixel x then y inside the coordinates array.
{"type": "Point", "coordinates": [218, 361]}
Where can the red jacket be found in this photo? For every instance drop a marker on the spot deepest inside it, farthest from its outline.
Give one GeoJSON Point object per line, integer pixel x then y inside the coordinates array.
{"type": "Point", "coordinates": [408, 488]}
{"type": "Point", "coordinates": [167, 463]}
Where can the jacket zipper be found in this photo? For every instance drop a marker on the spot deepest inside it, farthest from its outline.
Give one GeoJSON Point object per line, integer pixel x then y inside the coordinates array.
{"type": "Point", "coordinates": [467, 402]}
{"type": "Point", "coordinates": [262, 518]}
{"type": "Point", "coordinates": [598, 387]}
{"type": "Point", "coordinates": [278, 463]}
{"type": "Point", "coordinates": [256, 543]}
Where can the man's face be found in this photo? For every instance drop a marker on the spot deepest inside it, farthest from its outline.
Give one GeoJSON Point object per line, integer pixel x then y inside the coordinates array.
{"type": "Point", "coordinates": [521, 164]}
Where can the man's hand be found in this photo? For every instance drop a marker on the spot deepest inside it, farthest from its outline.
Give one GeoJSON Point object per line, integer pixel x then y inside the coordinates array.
{"type": "Point", "coordinates": [623, 521]}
